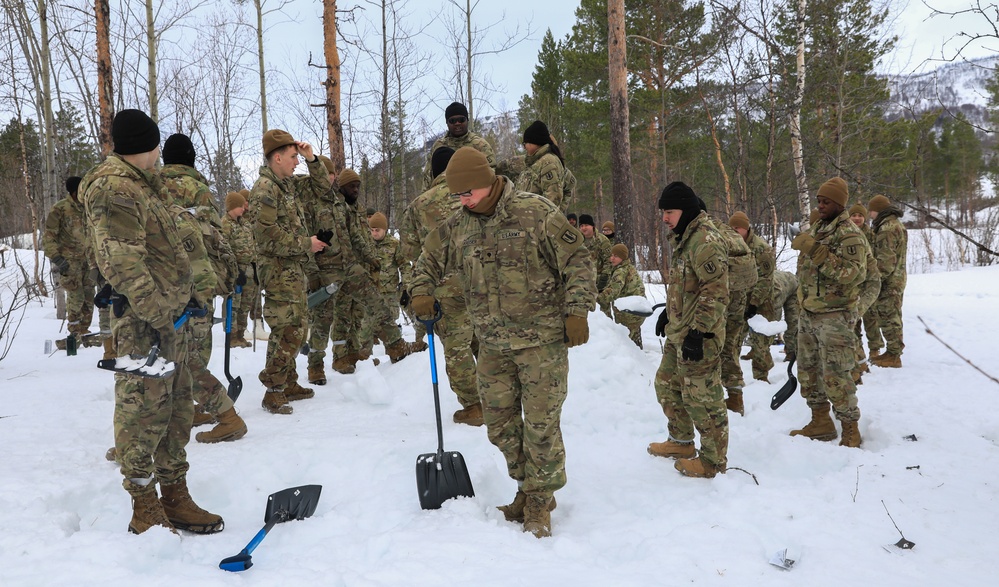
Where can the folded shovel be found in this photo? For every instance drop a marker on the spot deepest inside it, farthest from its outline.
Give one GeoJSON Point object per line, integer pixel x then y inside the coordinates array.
{"type": "Point", "coordinates": [294, 503]}
{"type": "Point", "coordinates": [786, 390]}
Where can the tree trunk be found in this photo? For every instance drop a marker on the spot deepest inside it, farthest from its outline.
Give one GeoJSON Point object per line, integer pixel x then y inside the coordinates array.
{"type": "Point", "coordinates": [49, 181]}
{"type": "Point", "coordinates": [804, 206]}
{"type": "Point", "coordinates": [260, 65]}
{"type": "Point", "coordinates": [154, 100]}
{"type": "Point", "coordinates": [386, 126]}
{"type": "Point", "coordinates": [624, 225]}
{"type": "Point", "coordinates": [105, 93]}
{"type": "Point", "coordinates": [468, 60]}
{"type": "Point", "coordinates": [333, 125]}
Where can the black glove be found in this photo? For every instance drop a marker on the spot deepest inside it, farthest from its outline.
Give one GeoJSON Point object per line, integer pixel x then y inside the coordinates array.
{"type": "Point", "coordinates": [241, 278]}
{"type": "Point", "coordinates": [404, 298]}
{"type": "Point", "coordinates": [325, 235]}
{"type": "Point", "coordinates": [103, 298]}
{"type": "Point", "coordinates": [662, 322]}
{"type": "Point", "coordinates": [750, 311]}
{"type": "Point", "coordinates": [61, 264]}
{"type": "Point", "coordinates": [195, 309]}
{"type": "Point", "coordinates": [119, 303]}
{"type": "Point", "coordinates": [693, 346]}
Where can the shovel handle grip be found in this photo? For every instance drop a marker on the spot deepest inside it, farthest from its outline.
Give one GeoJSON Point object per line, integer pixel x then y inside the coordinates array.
{"type": "Point", "coordinates": [429, 322]}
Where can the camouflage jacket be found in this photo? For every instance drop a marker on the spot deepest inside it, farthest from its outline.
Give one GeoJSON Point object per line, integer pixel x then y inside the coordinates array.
{"type": "Point", "coordinates": [188, 190]}
{"type": "Point", "coordinates": [697, 294]}
{"type": "Point", "coordinates": [423, 215]}
{"type": "Point", "coordinates": [600, 250]}
{"type": "Point", "coordinates": [202, 274]}
{"type": "Point", "coordinates": [766, 259]}
{"type": "Point", "coordinates": [544, 176]}
{"type": "Point", "coordinates": [361, 242]}
{"type": "Point", "coordinates": [138, 246]}
{"type": "Point", "coordinates": [624, 281]}
{"type": "Point", "coordinates": [785, 286]}
{"type": "Point", "coordinates": [890, 243]}
{"type": "Point", "coordinates": [469, 139]}
{"type": "Point", "coordinates": [871, 286]}
{"type": "Point", "coordinates": [523, 269]}
{"type": "Point", "coordinates": [279, 229]}
{"type": "Point", "coordinates": [834, 285]}
{"type": "Point", "coordinates": [239, 234]}
{"type": "Point", "coordinates": [742, 272]}
{"type": "Point", "coordinates": [67, 234]}
{"type": "Point", "coordinates": [328, 211]}
{"type": "Point", "coordinates": [390, 256]}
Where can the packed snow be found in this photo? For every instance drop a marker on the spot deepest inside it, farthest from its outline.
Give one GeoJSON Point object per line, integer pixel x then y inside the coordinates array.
{"type": "Point", "coordinates": [929, 458]}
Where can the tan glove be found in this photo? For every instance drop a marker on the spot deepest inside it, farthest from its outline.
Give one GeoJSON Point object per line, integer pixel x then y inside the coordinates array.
{"type": "Point", "coordinates": [423, 306]}
{"type": "Point", "coordinates": [806, 243]}
{"type": "Point", "coordinates": [577, 331]}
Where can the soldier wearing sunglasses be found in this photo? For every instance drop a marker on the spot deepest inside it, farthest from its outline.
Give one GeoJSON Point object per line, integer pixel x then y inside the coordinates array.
{"type": "Point", "coordinates": [456, 137]}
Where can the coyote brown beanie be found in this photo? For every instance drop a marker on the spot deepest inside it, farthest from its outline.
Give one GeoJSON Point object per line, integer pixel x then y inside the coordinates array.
{"type": "Point", "coordinates": [739, 220]}
{"type": "Point", "coordinates": [378, 220]}
{"type": "Point", "coordinates": [468, 170]}
{"type": "Point", "coordinates": [858, 209]}
{"type": "Point", "coordinates": [607, 226]}
{"type": "Point", "coordinates": [327, 163]}
{"type": "Point", "coordinates": [234, 200]}
{"type": "Point", "coordinates": [347, 177]}
{"type": "Point", "coordinates": [620, 251]}
{"type": "Point", "coordinates": [133, 132]}
{"type": "Point", "coordinates": [878, 203]}
{"type": "Point", "coordinates": [275, 139]}
{"type": "Point", "coordinates": [835, 189]}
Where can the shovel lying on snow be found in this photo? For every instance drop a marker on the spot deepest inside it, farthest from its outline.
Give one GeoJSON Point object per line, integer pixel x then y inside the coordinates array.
{"type": "Point", "coordinates": [785, 390]}
{"type": "Point", "coordinates": [294, 503]}
{"type": "Point", "coordinates": [440, 476]}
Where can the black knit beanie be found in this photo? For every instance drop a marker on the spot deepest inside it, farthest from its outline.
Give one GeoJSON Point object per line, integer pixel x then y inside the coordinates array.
{"type": "Point", "coordinates": [440, 159]}
{"type": "Point", "coordinates": [678, 196]}
{"type": "Point", "coordinates": [134, 132]}
{"type": "Point", "coordinates": [178, 149]}
{"type": "Point", "coordinates": [73, 184]}
{"type": "Point", "coordinates": [586, 219]}
{"type": "Point", "coordinates": [537, 134]}
{"type": "Point", "coordinates": [455, 109]}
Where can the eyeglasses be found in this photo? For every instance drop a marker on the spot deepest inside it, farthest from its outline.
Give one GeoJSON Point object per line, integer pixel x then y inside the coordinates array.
{"type": "Point", "coordinates": [462, 194]}
{"type": "Point", "coordinates": [457, 120]}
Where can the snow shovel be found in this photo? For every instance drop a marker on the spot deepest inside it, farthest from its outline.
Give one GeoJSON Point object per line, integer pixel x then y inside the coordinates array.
{"type": "Point", "coordinates": [440, 476]}
{"type": "Point", "coordinates": [235, 384]}
{"type": "Point", "coordinates": [294, 503]}
{"type": "Point", "coordinates": [785, 390]}
{"type": "Point", "coordinates": [152, 366]}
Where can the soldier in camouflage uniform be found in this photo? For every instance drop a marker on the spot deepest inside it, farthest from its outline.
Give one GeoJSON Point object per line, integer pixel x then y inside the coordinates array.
{"type": "Point", "coordinates": [890, 244]}
{"type": "Point", "coordinates": [358, 293]}
{"type": "Point", "coordinates": [214, 271]}
{"type": "Point", "coordinates": [688, 382]}
{"type": "Point", "coordinates": [785, 301]}
{"type": "Point", "coordinates": [624, 281]}
{"type": "Point", "coordinates": [544, 172]}
{"type": "Point", "coordinates": [238, 232]}
{"type": "Point", "coordinates": [140, 252]}
{"type": "Point", "coordinates": [424, 214]}
{"type": "Point", "coordinates": [760, 297]}
{"type": "Point", "coordinates": [832, 267]}
{"type": "Point", "coordinates": [599, 247]}
{"type": "Point", "coordinates": [742, 278]}
{"type": "Point", "coordinates": [284, 245]}
{"type": "Point", "coordinates": [528, 284]}
{"type": "Point", "coordinates": [858, 215]}
{"type": "Point", "coordinates": [456, 137]}
{"type": "Point", "coordinates": [68, 245]}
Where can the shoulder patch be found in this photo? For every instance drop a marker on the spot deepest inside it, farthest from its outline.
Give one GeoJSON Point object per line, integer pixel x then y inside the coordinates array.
{"type": "Point", "coordinates": [268, 201]}
{"type": "Point", "coordinates": [549, 176]}
{"type": "Point", "coordinates": [569, 236]}
{"type": "Point", "coordinates": [123, 201]}
{"type": "Point", "coordinates": [710, 267]}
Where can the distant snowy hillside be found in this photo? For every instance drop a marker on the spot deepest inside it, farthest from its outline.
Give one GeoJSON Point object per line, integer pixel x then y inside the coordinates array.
{"type": "Point", "coordinates": [957, 87]}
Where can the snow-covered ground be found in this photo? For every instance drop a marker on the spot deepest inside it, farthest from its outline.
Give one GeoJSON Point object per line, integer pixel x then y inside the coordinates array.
{"type": "Point", "coordinates": [625, 518]}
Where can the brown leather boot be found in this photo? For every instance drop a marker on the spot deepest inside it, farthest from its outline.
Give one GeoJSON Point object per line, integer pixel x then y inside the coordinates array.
{"type": "Point", "coordinates": [345, 364]}
{"type": "Point", "coordinates": [514, 511]}
{"type": "Point", "coordinates": [398, 350]}
{"type": "Point", "coordinates": [851, 435]}
{"type": "Point", "coordinates": [697, 468]}
{"type": "Point", "coordinates": [317, 375]}
{"type": "Point", "coordinates": [734, 402]}
{"type": "Point", "coordinates": [184, 514]}
{"type": "Point", "coordinates": [231, 427]}
{"type": "Point", "coordinates": [538, 515]}
{"type": "Point", "coordinates": [472, 415]}
{"type": "Point", "coordinates": [821, 427]}
{"type": "Point", "coordinates": [201, 418]}
{"type": "Point", "coordinates": [672, 450]}
{"type": "Point", "coordinates": [147, 511]}
{"type": "Point", "coordinates": [874, 354]}
{"type": "Point", "coordinates": [889, 360]}
{"type": "Point", "coordinates": [108, 348]}
{"type": "Point", "coordinates": [275, 402]}
{"type": "Point", "coordinates": [294, 392]}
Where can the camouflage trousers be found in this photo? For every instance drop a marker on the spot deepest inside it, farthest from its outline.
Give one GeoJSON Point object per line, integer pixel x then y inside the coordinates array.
{"type": "Point", "coordinates": [872, 329]}
{"type": "Point", "coordinates": [80, 290]}
{"type": "Point", "coordinates": [633, 324]}
{"type": "Point", "coordinates": [826, 356]}
{"type": "Point", "coordinates": [691, 395]}
{"type": "Point", "coordinates": [152, 417]}
{"type": "Point", "coordinates": [358, 295]}
{"type": "Point", "coordinates": [321, 318]}
{"type": "Point", "coordinates": [287, 323]}
{"type": "Point", "coordinates": [208, 391]}
{"type": "Point", "coordinates": [391, 301]}
{"type": "Point", "coordinates": [759, 346]}
{"type": "Point", "coordinates": [455, 331]}
{"type": "Point", "coordinates": [245, 303]}
{"type": "Point", "coordinates": [888, 308]}
{"type": "Point", "coordinates": [735, 333]}
{"type": "Point", "coordinates": [522, 393]}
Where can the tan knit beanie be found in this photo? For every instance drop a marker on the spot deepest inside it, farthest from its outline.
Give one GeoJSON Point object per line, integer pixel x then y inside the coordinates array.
{"type": "Point", "coordinates": [739, 220]}
{"type": "Point", "coordinates": [245, 193]}
{"type": "Point", "coordinates": [878, 203]}
{"type": "Point", "coordinates": [468, 170]}
{"type": "Point", "coordinates": [607, 226]}
{"type": "Point", "coordinates": [347, 177]}
{"type": "Point", "coordinates": [275, 139]}
{"type": "Point", "coordinates": [234, 200]}
{"type": "Point", "coordinates": [620, 251]}
{"type": "Point", "coordinates": [835, 189]}
{"type": "Point", "coordinates": [328, 163]}
{"type": "Point", "coordinates": [378, 220]}
{"type": "Point", "coordinates": [858, 208]}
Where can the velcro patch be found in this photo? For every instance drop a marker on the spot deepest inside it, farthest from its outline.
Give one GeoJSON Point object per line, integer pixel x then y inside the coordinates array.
{"type": "Point", "coordinates": [851, 250]}
{"type": "Point", "coordinates": [710, 267]}
{"type": "Point", "coordinates": [123, 201]}
{"type": "Point", "coordinates": [569, 236]}
{"type": "Point", "coordinates": [511, 234]}
{"type": "Point", "coordinates": [268, 201]}
{"type": "Point", "coordinates": [549, 176]}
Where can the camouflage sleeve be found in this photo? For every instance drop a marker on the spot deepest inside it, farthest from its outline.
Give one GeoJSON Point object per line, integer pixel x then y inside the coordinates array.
{"type": "Point", "coordinates": [710, 264]}
{"type": "Point", "coordinates": [432, 263]}
{"type": "Point", "coordinates": [762, 292]}
{"type": "Point", "coordinates": [50, 238]}
{"type": "Point", "coordinates": [871, 287]}
{"type": "Point", "coordinates": [481, 144]}
{"type": "Point", "coordinates": [603, 264]}
{"type": "Point", "coordinates": [550, 179]}
{"type": "Point", "coordinates": [564, 250]}
{"type": "Point", "coordinates": [613, 290]}
{"type": "Point", "coordinates": [315, 184]}
{"type": "Point", "coordinates": [271, 236]}
{"type": "Point", "coordinates": [887, 242]}
{"type": "Point", "coordinates": [360, 239]}
{"type": "Point", "coordinates": [848, 265]}
{"type": "Point", "coordinates": [409, 237]}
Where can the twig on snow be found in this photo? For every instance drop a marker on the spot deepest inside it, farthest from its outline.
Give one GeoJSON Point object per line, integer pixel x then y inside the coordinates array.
{"type": "Point", "coordinates": [951, 349]}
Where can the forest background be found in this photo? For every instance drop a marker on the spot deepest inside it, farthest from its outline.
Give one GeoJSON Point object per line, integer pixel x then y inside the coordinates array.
{"type": "Point", "coordinates": [712, 94]}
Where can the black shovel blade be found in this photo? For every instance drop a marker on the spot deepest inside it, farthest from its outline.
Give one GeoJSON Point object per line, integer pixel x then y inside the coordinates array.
{"type": "Point", "coordinates": [294, 503]}
{"type": "Point", "coordinates": [440, 477]}
{"type": "Point", "coordinates": [235, 387]}
{"type": "Point", "coordinates": [786, 390]}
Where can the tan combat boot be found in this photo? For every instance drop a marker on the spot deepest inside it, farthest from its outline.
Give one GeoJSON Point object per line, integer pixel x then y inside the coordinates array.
{"type": "Point", "coordinates": [147, 511]}
{"type": "Point", "coordinates": [821, 427]}
{"type": "Point", "coordinates": [345, 364]}
{"type": "Point", "coordinates": [538, 515]}
{"type": "Point", "coordinates": [398, 350]}
{"type": "Point", "coordinates": [673, 450]}
{"type": "Point", "coordinates": [275, 402]}
{"type": "Point", "coordinates": [851, 435]}
{"type": "Point", "coordinates": [697, 468]}
{"type": "Point", "coordinates": [231, 427]}
{"type": "Point", "coordinates": [734, 401]}
{"type": "Point", "coordinates": [317, 375]}
{"type": "Point", "coordinates": [109, 348]}
{"type": "Point", "coordinates": [184, 514]}
{"type": "Point", "coordinates": [472, 415]}
{"type": "Point", "coordinates": [890, 360]}
{"type": "Point", "coordinates": [874, 354]}
{"type": "Point", "coordinates": [294, 392]}
{"type": "Point", "coordinates": [514, 511]}
{"type": "Point", "coordinates": [202, 417]}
